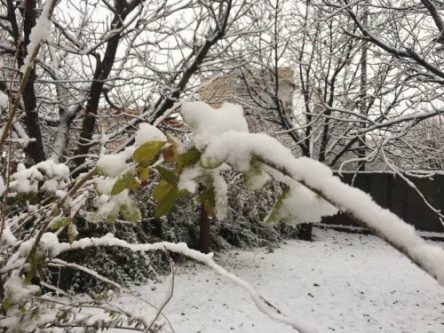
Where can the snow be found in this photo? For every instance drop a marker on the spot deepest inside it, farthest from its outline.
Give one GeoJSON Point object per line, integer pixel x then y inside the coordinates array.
{"type": "Point", "coordinates": [53, 169]}
{"type": "Point", "coordinates": [286, 275]}
{"type": "Point", "coordinates": [112, 164]}
{"type": "Point", "coordinates": [187, 180]}
{"type": "Point", "coordinates": [8, 237]}
{"type": "Point", "coordinates": [50, 186]}
{"type": "Point", "coordinates": [3, 100]}
{"type": "Point", "coordinates": [148, 132]}
{"type": "Point", "coordinates": [207, 259]}
{"type": "Point", "coordinates": [237, 149]}
{"type": "Point", "coordinates": [53, 175]}
{"type": "Point", "coordinates": [25, 180]}
{"type": "Point", "coordinates": [110, 205]}
{"type": "Point", "coordinates": [17, 292]}
{"type": "Point", "coordinates": [2, 186]}
{"type": "Point", "coordinates": [25, 248]}
{"type": "Point", "coordinates": [338, 283]}
{"type": "Point", "coordinates": [302, 205]}
{"type": "Point", "coordinates": [257, 179]}
{"type": "Point", "coordinates": [223, 135]}
{"type": "Point", "coordinates": [191, 177]}
{"type": "Point", "coordinates": [49, 243]}
{"type": "Point", "coordinates": [105, 185]}
{"type": "Point", "coordinates": [17, 320]}
{"type": "Point", "coordinates": [207, 122]}
{"type": "Point", "coordinates": [382, 221]}
{"type": "Point", "coordinates": [40, 32]}
{"type": "Point", "coordinates": [220, 195]}
{"type": "Point", "coordinates": [77, 203]}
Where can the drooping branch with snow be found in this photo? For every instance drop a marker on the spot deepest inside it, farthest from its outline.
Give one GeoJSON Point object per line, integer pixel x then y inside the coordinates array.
{"type": "Point", "coordinates": [220, 140]}
{"type": "Point", "coordinates": [238, 148]}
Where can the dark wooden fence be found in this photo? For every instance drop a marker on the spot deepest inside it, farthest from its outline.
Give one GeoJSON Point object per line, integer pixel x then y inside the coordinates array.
{"type": "Point", "coordinates": [392, 192]}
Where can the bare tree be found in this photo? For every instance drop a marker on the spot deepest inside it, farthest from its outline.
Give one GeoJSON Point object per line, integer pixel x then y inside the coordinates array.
{"type": "Point", "coordinates": [135, 62]}
{"type": "Point", "coordinates": [405, 33]}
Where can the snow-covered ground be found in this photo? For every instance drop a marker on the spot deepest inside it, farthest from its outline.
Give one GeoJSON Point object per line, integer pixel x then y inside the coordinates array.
{"type": "Point", "coordinates": [339, 283]}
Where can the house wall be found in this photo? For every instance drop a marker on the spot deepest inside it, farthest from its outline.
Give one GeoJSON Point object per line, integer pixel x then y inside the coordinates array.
{"type": "Point", "coordinates": [242, 90]}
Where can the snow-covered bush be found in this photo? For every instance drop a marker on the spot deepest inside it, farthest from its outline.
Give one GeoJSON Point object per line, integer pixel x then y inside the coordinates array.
{"type": "Point", "coordinates": [36, 240]}
{"type": "Point", "coordinates": [45, 177]}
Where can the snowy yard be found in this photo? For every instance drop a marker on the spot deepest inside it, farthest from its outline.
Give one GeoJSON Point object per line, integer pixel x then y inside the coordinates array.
{"type": "Point", "coordinates": [339, 283]}
{"type": "Point", "coordinates": [127, 126]}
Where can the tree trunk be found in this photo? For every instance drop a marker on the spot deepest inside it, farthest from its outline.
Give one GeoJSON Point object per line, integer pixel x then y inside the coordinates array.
{"type": "Point", "coordinates": [34, 149]}
{"type": "Point", "coordinates": [204, 231]}
{"type": "Point", "coordinates": [363, 91]}
{"type": "Point", "coordinates": [102, 71]}
{"type": "Point", "coordinates": [305, 231]}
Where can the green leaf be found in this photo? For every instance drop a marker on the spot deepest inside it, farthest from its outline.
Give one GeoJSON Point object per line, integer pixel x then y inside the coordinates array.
{"type": "Point", "coordinates": [130, 212]}
{"type": "Point", "coordinates": [210, 163]}
{"type": "Point", "coordinates": [133, 184]}
{"type": "Point", "coordinates": [188, 158]}
{"type": "Point", "coordinates": [119, 185]}
{"type": "Point", "coordinates": [167, 202]}
{"type": "Point", "coordinates": [35, 313]}
{"type": "Point", "coordinates": [274, 216]}
{"type": "Point", "coordinates": [144, 173]}
{"type": "Point", "coordinates": [60, 223]}
{"type": "Point", "coordinates": [6, 304]}
{"type": "Point", "coordinates": [112, 216]}
{"type": "Point", "coordinates": [253, 174]}
{"type": "Point", "coordinates": [146, 152]}
{"type": "Point", "coordinates": [100, 171]}
{"type": "Point", "coordinates": [162, 189]}
{"type": "Point", "coordinates": [183, 193]}
{"type": "Point", "coordinates": [99, 297]}
{"type": "Point", "coordinates": [36, 262]}
{"type": "Point", "coordinates": [127, 180]}
{"type": "Point", "coordinates": [208, 200]}
{"type": "Point", "coordinates": [167, 175]}
{"type": "Point", "coordinates": [94, 217]}
{"type": "Point", "coordinates": [72, 233]}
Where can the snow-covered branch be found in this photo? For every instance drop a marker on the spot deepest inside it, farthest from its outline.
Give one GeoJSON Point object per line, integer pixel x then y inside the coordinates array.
{"type": "Point", "coordinates": [319, 179]}
{"type": "Point", "coordinates": [181, 248]}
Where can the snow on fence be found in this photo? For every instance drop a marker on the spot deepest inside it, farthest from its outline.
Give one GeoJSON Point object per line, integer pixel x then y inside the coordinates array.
{"type": "Point", "coordinates": [392, 192]}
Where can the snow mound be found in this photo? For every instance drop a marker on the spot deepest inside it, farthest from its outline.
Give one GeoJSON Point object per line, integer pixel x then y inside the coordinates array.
{"type": "Point", "coordinates": [207, 122]}
{"type": "Point", "coordinates": [147, 132]}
